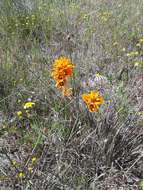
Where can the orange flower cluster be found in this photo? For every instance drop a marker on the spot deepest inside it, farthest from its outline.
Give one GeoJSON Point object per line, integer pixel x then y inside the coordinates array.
{"type": "Point", "coordinates": [62, 70]}
{"type": "Point", "coordinates": [93, 100]}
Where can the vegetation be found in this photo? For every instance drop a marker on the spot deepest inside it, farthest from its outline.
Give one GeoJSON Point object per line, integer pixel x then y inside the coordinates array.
{"type": "Point", "coordinates": [71, 95]}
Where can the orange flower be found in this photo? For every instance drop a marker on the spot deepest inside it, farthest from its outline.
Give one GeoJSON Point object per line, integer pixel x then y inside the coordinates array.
{"type": "Point", "coordinates": [62, 62]}
{"type": "Point", "coordinates": [92, 107]}
{"type": "Point", "coordinates": [60, 84]}
{"type": "Point", "coordinates": [58, 75]}
{"type": "Point", "coordinates": [93, 100]}
{"type": "Point", "coordinates": [62, 68]}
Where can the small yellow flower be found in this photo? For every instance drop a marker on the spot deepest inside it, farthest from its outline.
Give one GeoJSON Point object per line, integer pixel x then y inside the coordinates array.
{"type": "Point", "coordinates": [34, 159]}
{"type": "Point", "coordinates": [19, 114]}
{"type": "Point", "coordinates": [21, 175]}
{"type": "Point", "coordinates": [124, 49]}
{"type": "Point", "coordinates": [136, 53]}
{"type": "Point", "coordinates": [28, 105]}
{"type": "Point", "coordinates": [14, 163]}
{"type": "Point", "coordinates": [136, 64]}
{"type": "Point", "coordinates": [98, 75]}
{"type": "Point", "coordinates": [132, 54]}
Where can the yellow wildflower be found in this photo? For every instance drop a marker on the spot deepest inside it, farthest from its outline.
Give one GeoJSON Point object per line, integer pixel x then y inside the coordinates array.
{"type": "Point", "coordinates": [136, 64]}
{"type": "Point", "coordinates": [14, 163]}
{"type": "Point", "coordinates": [19, 114]}
{"type": "Point", "coordinates": [34, 159]}
{"type": "Point", "coordinates": [132, 54]}
{"type": "Point", "coordinates": [21, 175]}
{"type": "Point", "coordinates": [28, 105]}
{"type": "Point", "coordinates": [98, 75]}
{"type": "Point", "coordinates": [136, 53]}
